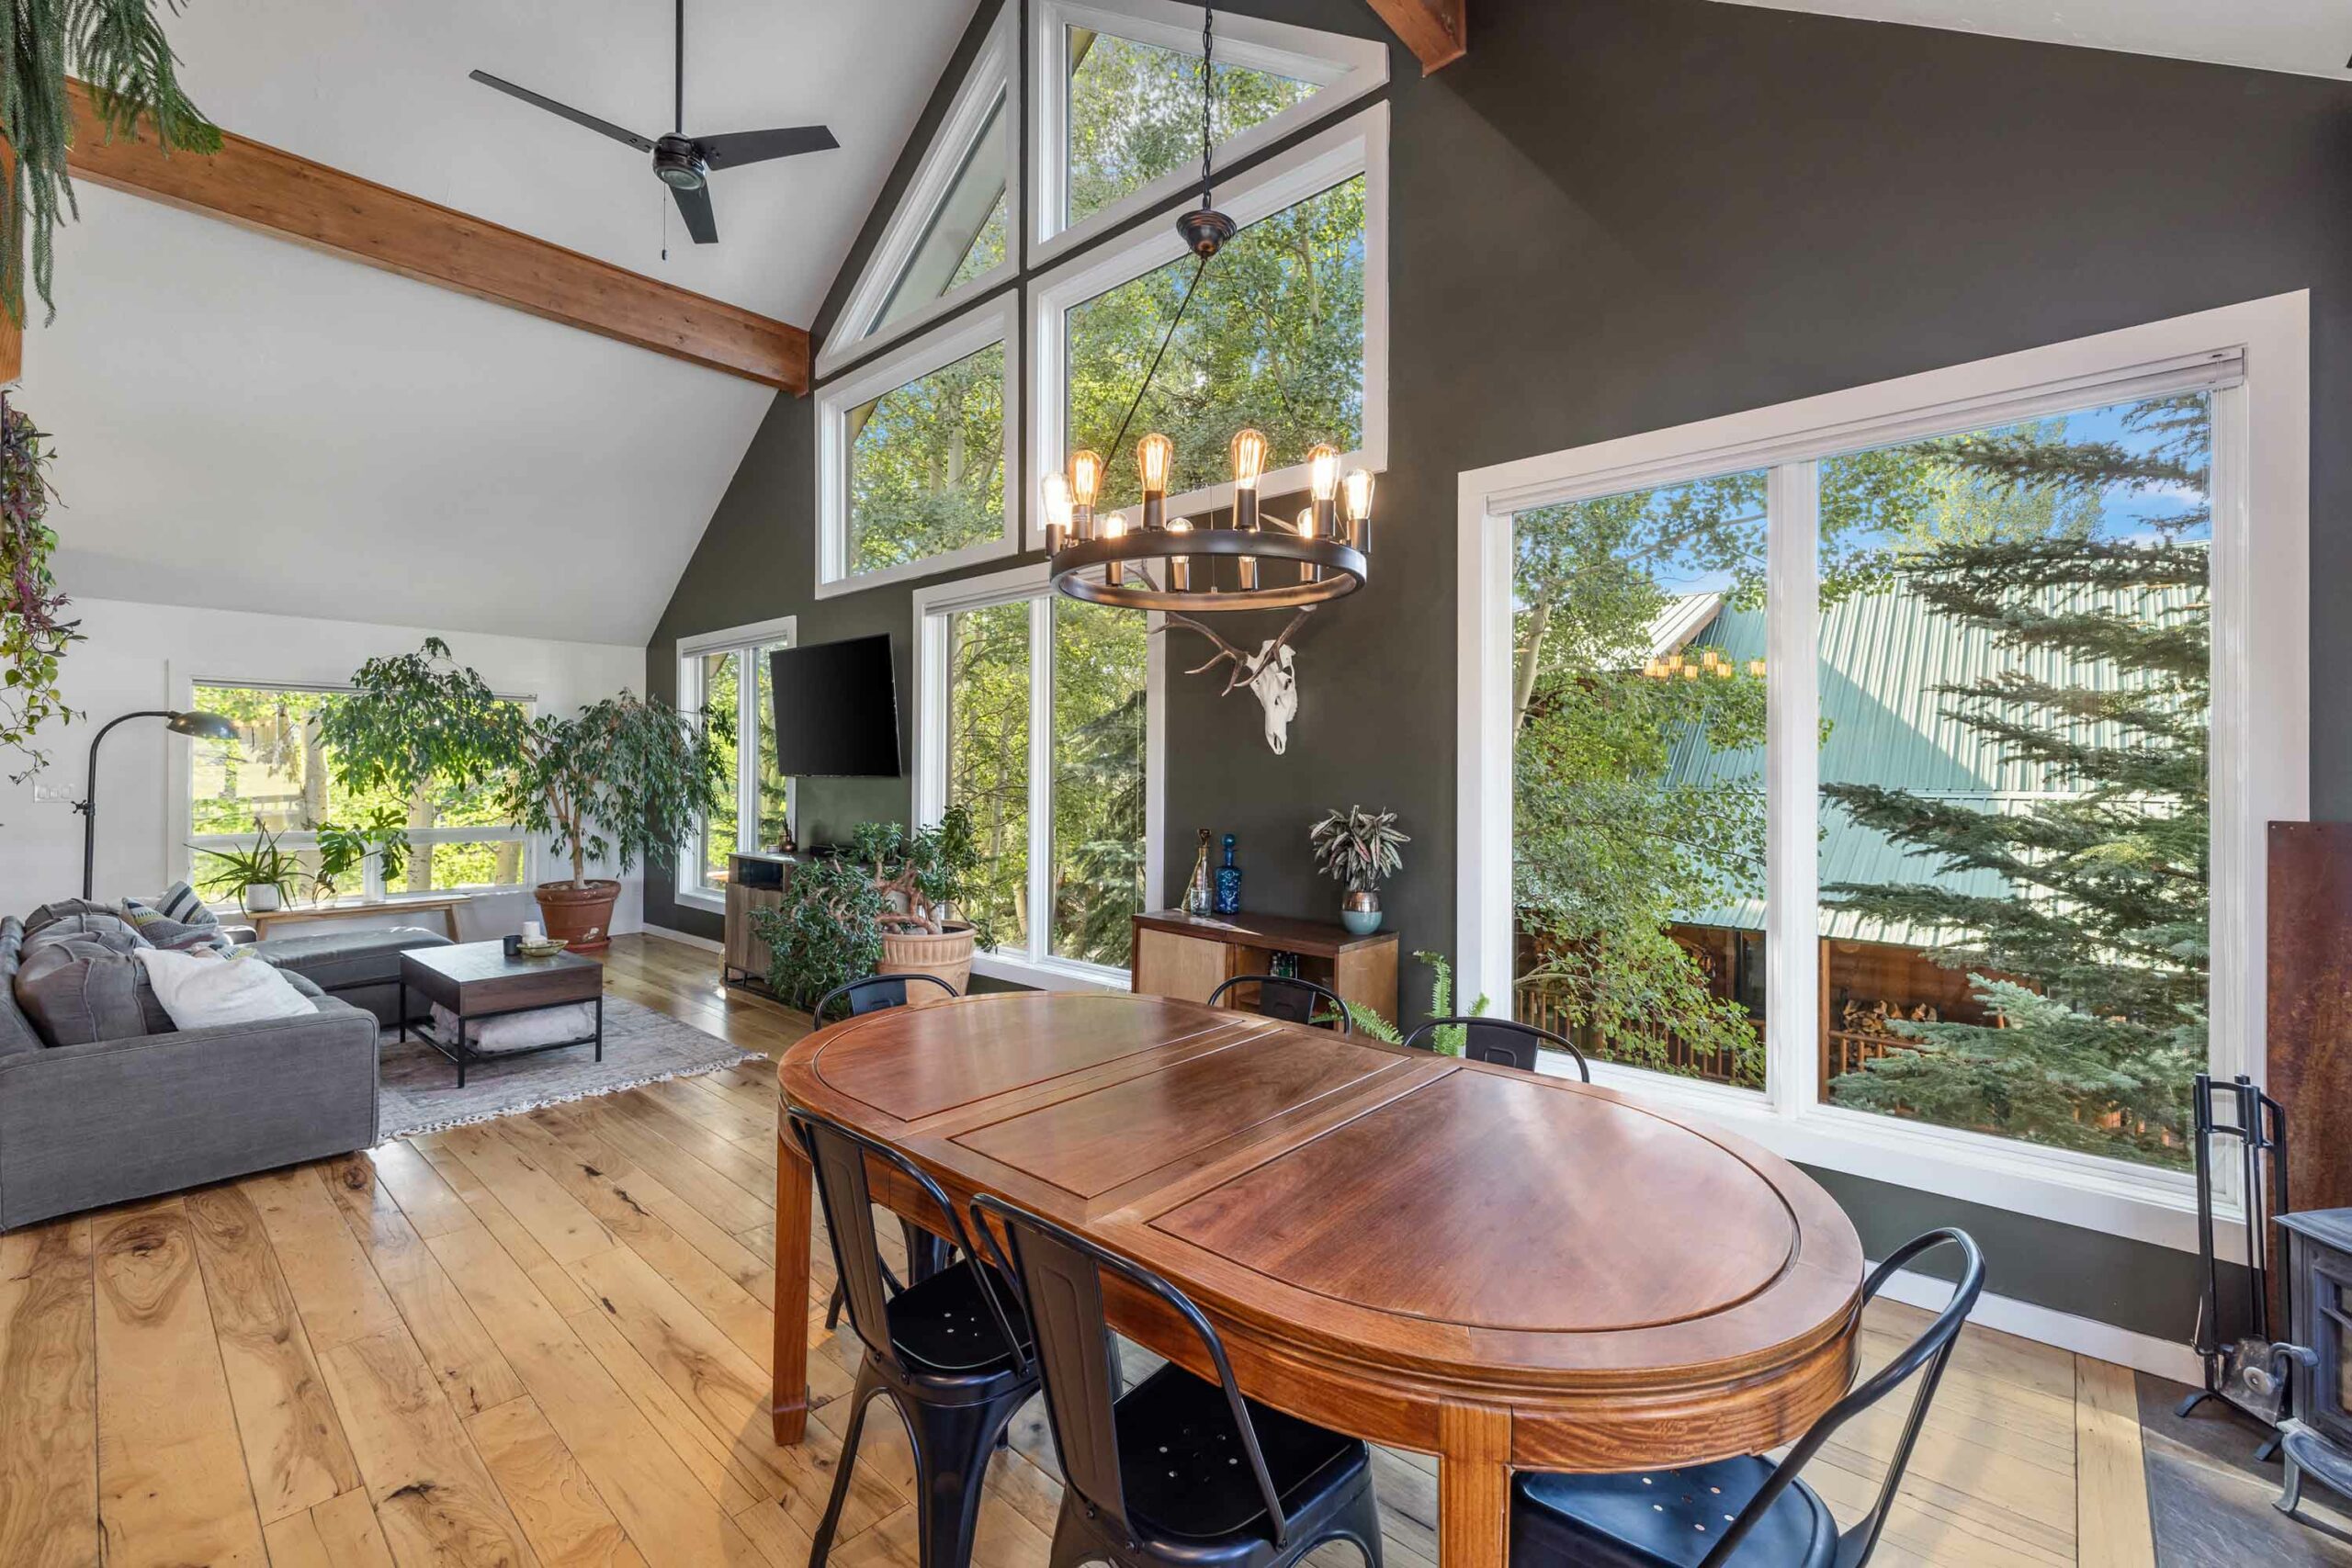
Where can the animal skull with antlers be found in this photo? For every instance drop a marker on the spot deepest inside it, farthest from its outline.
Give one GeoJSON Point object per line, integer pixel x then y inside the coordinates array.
{"type": "Point", "coordinates": [1270, 673]}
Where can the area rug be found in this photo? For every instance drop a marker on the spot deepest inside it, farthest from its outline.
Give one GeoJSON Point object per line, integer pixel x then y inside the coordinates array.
{"type": "Point", "coordinates": [417, 1086]}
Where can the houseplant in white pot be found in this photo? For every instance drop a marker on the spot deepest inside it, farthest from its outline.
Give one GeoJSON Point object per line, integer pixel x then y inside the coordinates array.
{"type": "Point", "coordinates": [623, 779]}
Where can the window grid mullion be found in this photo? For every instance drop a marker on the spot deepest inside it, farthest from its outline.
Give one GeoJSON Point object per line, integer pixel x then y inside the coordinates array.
{"type": "Point", "coordinates": [1041, 774]}
{"type": "Point", "coordinates": [747, 749]}
{"type": "Point", "coordinates": [1792, 778]}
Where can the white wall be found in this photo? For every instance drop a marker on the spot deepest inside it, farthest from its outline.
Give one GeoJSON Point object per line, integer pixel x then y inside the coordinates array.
{"type": "Point", "coordinates": [145, 656]}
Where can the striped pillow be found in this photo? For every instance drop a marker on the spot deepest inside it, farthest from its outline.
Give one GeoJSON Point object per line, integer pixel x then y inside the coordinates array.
{"type": "Point", "coordinates": [178, 902]}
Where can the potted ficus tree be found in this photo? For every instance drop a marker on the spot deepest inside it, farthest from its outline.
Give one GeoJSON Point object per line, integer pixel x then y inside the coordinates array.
{"type": "Point", "coordinates": [624, 780]}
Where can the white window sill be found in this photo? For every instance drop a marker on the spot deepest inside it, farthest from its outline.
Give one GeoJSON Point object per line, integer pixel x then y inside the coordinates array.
{"type": "Point", "coordinates": [1049, 974]}
{"type": "Point", "coordinates": [715, 903]}
{"type": "Point", "coordinates": [2120, 1199]}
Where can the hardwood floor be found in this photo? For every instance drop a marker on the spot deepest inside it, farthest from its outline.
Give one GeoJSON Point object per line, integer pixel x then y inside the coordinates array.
{"type": "Point", "coordinates": [542, 1340]}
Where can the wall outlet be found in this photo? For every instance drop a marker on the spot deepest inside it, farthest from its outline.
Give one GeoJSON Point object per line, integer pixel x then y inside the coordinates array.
{"type": "Point", "coordinates": [49, 794]}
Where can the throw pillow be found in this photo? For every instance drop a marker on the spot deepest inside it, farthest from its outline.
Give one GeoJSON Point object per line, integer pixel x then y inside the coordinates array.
{"type": "Point", "coordinates": [178, 902]}
{"type": "Point", "coordinates": [161, 932]}
{"type": "Point", "coordinates": [78, 992]}
{"type": "Point", "coordinates": [204, 990]}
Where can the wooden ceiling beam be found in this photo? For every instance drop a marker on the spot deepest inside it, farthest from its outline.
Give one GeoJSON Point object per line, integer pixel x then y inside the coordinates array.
{"type": "Point", "coordinates": [1435, 30]}
{"type": "Point", "coordinates": [275, 192]}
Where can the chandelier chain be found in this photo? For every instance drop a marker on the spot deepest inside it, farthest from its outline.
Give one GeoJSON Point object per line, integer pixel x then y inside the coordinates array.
{"type": "Point", "coordinates": [1208, 95]}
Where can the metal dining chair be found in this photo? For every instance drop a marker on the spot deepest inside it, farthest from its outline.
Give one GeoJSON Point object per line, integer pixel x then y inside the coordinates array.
{"type": "Point", "coordinates": [1177, 1471]}
{"type": "Point", "coordinates": [873, 993]}
{"type": "Point", "coordinates": [952, 1351]}
{"type": "Point", "coordinates": [876, 993]}
{"type": "Point", "coordinates": [1289, 999]}
{"type": "Point", "coordinates": [1744, 1513]}
{"type": "Point", "coordinates": [1501, 1040]}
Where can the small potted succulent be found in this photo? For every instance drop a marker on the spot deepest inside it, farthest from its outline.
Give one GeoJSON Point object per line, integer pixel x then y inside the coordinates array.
{"type": "Point", "coordinates": [1358, 849]}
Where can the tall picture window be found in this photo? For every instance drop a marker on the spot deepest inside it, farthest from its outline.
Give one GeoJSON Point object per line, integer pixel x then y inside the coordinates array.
{"type": "Point", "coordinates": [727, 673]}
{"type": "Point", "coordinates": [1910, 778]}
{"type": "Point", "coordinates": [1034, 713]}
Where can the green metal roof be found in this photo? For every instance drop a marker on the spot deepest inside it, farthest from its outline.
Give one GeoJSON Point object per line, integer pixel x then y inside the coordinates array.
{"type": "Point", "coordinates": [1883, 655]}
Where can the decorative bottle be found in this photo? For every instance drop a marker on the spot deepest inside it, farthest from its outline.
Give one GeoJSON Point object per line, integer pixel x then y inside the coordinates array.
{"type": "Point", "coordinates": [1196, 894]}
{"type": "Point", "coordinates": [1228, 883]}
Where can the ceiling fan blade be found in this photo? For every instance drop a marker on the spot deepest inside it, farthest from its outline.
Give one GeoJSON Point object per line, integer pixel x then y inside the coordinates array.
{"type": "Point", "coordinates": [603, 127]}
{"type": "Point", "coordinates": [694, 206]}
{"type": "Point", "coordinates": [757, 146]}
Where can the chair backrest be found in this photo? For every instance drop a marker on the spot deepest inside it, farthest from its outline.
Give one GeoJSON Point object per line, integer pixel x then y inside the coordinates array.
{"type": "Point", "coordinates": [839, 1155]}
{"type": "Point", "coordinates": [1929, 1352]}
{"type": "Point", "coordinates": [1291, 1000]}
{"type": "Point", "coordinates": [1059, 1276]}
{"type": "Point", "coordinates": [873, 993]}
{"type": "Point", "coordinates": [1502, 1040]}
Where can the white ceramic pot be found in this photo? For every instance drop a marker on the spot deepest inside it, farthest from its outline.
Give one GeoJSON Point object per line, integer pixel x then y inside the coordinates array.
{"type": "Point", "coordinates": [261, 898]}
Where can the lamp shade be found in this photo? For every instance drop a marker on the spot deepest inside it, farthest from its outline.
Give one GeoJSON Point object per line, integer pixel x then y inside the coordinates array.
{"type": "Point", "coordinates": [206, 725]}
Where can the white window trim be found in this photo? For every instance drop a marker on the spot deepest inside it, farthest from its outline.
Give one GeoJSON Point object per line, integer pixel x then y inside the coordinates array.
{"type": "Point", "coordinates": [1358, 145]}
{"type": "Point", "coordinates": [989, 79]}
{"type": "Point", "coordinates": [1343, 69]}
{"type": "Point", "coordinates": [688, 887]}
{"type": "Point", "coordinates": [1037, 965]}
{"type": "Point", "coordinates": [179, 808]}
{"type": "Point", "coordinates": [2261, 739]}
{"type": "Point", "coordinates": [983, 328]}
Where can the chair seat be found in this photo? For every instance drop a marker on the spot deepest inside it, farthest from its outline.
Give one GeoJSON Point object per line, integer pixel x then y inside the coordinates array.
{"type": "Point", "coordinates": [1666, 1518]}
{"type": "Point", "coordinates": [1186, 1473]}
{"type": "Point", "coordinates": [944, 1325]}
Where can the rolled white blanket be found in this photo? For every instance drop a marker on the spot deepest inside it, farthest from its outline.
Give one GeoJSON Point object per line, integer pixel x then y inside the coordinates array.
{"type": "Point", "coordinates": [517, 1030]}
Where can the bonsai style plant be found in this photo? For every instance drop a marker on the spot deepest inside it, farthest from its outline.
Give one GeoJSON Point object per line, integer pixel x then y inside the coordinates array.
{"type": "Point", "coordinates": [887, 906]}
{"type": "Point", "coordinates": [827, 932]}
{"type": "Point", "coordinates": [262, 877]}
{"type": "Point", "coordinates": [1358, 849]}
{"type": "Point", "coordinates": [624, 780]}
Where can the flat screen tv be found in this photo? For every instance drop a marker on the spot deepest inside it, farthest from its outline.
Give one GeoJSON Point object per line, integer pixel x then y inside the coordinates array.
{"type": "Point", "coordinates": [836, 709]}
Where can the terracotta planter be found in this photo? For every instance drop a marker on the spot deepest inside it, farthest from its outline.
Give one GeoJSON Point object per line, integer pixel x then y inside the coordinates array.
{"type": "Point", "coordinates": [947, 955]}
{"type": "Point", "coordinates": [581, 914]}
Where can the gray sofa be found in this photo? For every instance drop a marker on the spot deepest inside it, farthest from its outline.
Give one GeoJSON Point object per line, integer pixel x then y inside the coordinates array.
{"type": "Point", "coordinates": [152, 1109]}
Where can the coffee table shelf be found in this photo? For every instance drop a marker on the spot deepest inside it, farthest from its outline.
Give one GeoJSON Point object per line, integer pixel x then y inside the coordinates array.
{"type": "Point", "coordinates": [476, 980]}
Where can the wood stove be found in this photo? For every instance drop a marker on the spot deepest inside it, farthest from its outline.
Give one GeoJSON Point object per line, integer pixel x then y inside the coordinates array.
{"type": "Point", "coordinates": [2316, 1439]}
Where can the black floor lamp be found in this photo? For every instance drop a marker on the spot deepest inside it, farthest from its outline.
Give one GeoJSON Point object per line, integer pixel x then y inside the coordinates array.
{"type": "Point", "coordinates": [210, 726]}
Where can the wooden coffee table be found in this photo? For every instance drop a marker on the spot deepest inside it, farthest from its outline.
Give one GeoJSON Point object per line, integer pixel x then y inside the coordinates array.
{"type": "Point", "coordinates": [476, 980]}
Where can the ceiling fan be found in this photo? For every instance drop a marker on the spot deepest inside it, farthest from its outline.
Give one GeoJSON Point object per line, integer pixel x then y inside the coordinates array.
{"type": "Point", "coordinates": [683, 162]}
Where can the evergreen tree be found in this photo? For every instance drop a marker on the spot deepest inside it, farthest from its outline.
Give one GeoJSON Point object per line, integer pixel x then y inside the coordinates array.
{"type": "Point", "coordinates": [2094, 961]}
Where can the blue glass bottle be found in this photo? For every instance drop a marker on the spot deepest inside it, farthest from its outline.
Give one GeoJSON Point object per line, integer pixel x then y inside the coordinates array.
{"type": "Point", "coordinates": [1228, 883]}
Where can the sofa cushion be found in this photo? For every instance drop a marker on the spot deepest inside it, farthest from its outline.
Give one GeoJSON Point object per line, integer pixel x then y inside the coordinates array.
{"type": "Point", "coordinates": [63, 925]}
{"type": "Point", "coordinates": [341, 960]}
{"type": "Point", "coordinates": [16, 1029]}
{"type": "Point", "coordinates": [64, 908]}
{"type": "Point", "coordinates": [78, 992]}
{"type": "Point", "coordinates": [176, 936]}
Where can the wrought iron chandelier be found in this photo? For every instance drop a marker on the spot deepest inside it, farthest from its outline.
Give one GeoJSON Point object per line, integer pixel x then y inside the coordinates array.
{"type": "Point", "coordinates": [1153, 561]}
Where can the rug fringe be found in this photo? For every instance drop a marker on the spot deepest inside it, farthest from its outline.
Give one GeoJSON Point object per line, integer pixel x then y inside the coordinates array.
{"type": "Point", "coordinates": [597, 1093]}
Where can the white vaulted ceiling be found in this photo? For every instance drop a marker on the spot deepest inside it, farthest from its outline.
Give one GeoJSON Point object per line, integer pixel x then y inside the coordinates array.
{"type": "Point", "coordinates": [245, 424]}
{"type": "Point", "coordinates": [2313, 37]}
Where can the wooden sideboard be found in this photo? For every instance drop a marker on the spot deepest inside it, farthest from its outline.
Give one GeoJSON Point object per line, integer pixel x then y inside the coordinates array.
{"type": "Point", "coordinates": [1178, 955]}
{"type": "Point", "coordinates": [754, 881]}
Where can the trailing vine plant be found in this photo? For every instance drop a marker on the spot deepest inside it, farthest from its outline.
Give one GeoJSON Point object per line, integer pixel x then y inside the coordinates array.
{"type": "Point", "coordinates": [118, 48]}
{"type": "Point", "coordinates": [33, 639]}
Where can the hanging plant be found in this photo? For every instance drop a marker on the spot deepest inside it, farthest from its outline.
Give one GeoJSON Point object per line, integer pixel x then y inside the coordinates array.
{"type": "Point", "coordinates": [33, 639]}
{"type": "Point", "coordinates": [118, 48]}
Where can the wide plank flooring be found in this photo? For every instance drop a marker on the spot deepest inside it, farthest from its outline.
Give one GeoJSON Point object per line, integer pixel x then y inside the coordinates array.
{"type": "Point", "coordinates": [543, 1341]}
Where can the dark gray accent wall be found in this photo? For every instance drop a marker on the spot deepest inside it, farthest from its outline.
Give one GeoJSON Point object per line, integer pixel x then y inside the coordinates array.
{"type": "Point", "coordinates": [1615, 216]}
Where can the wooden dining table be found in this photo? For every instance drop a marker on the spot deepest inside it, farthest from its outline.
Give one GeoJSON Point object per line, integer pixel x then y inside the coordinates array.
{"type": "Point", "coordinates": [1505, 1269]}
